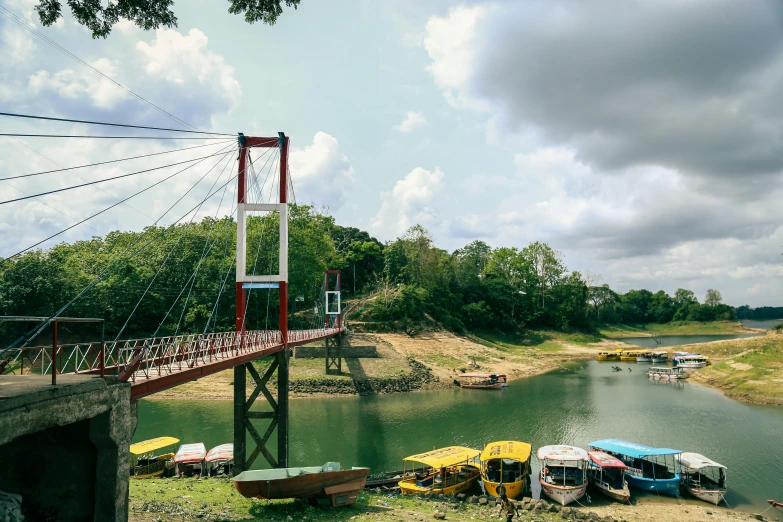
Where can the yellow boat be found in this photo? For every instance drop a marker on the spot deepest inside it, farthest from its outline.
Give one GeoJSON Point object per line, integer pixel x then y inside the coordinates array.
{"type": "Point", "coordinates": [505, 468]}
{"type": "Point", "coordinates": [630, 355]}
{"type": "Point", "coordinates": [447, 470]}
{"type": "Point", "coordinates": [608, 356]}
{"type": "Point", "coordinates": [145, 463]}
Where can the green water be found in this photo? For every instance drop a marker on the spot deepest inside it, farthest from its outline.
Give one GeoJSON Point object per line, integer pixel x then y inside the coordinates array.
{"type": "Point", "coordinates": [667, 341]}
{"type": "Point", "coordinates": [575, 406]}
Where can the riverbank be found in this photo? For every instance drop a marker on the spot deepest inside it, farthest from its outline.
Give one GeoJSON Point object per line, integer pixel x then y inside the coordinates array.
{"type": "Point", "coordinates": [748, 370]}
{"type": "Point", "coordinates": [216, 499]}
{"type": "Point", "coordinates": [676, 328]}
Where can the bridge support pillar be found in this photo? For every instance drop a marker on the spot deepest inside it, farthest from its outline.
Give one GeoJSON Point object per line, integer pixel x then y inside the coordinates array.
{"type": "Point", "coordinates": [334, 354]}
{"type": "Point", "coordinates": [276, 415]}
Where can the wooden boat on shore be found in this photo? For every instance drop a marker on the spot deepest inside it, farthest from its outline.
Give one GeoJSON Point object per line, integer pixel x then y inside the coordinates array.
{"type": "Point", "coordinates": [326, 485]}
{"type": "Point", "coordinates": [703, 478]}
{"type": "Point", "coordinates": [448, 470]}
{"type": "Point", "coordinates": [563, 475]}
{"type": "Point", "coordinates": [607, 473]}
{"type": "Point", "coordinates": [505, 468]}
{"type": "Point", "coordinates": [667, 373]}
{"type": "Point", "coordinates": [648, 469]}
{"type": "Point", "coordinates": [485, 381]}
{"type": "Point", "coordinates": [220, 460]}
{"type": "Point", "coordinates": [147, 459]}
{"type": "Point", "coordinates": [189, 459]}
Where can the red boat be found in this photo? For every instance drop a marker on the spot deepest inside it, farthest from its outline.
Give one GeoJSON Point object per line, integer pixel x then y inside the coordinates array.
{"type": "Point", "coordinates": [778, 505]}
{"type": "Point", "coordinates": [325, 485]}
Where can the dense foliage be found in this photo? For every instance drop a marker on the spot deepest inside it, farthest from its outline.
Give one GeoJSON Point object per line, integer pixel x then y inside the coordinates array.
{"type": "Point", "coordinates": [181, 279]}
{"type": "Point", "coordinates": [761, 313]}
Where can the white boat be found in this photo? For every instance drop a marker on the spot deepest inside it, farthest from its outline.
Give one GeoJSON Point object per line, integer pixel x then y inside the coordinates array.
{"type": "Point", "coordinates": [703, 478]}
{"type": "Point", "coordinates": [607, 473]}
{"type": "Point", "coordinates": [667, 373]}
{"type": "Point", "coordinates": [692, 361]}
{"type": "Point", "coordinates": [563, 474]}
{"type": "Point", "coordinates": [679, 355]}
{"type": "Point", "coordinates": [659, 356]}
{"type": "Point", "coordinates": [644, 357]}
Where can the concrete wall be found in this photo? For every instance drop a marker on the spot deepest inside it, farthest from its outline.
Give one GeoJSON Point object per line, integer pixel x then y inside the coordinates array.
{"type": "Point", "coordinates": [64, 448]}
{"type": "Point", "coordinates": [319, 352]}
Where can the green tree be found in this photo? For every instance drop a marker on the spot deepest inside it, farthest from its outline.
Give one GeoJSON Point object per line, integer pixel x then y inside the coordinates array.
{"type": "Point", "coordinates": [100, 17]}
{"type": "Point", "coordinates": [713, 298]}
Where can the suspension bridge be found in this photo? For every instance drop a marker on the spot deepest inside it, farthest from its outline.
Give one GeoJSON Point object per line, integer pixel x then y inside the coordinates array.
{"type": "Point", "coordinates": [159, 362]}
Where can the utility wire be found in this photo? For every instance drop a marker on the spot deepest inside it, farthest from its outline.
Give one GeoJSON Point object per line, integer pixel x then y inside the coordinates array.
{"type": "Point", "coordinates": [63, 169]}
{"type": "Point", "coordinates": [68, 120]}
{"type": "Point", "coordinates": [109, 179]}
{"type": "Point", "coordinates": [68, 53]}
{"type": "Point", "coordinates": [112, 137]}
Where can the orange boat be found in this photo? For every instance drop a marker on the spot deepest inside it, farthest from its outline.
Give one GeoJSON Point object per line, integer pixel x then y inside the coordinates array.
{"type": "Point", "coordinates": [325, 485]}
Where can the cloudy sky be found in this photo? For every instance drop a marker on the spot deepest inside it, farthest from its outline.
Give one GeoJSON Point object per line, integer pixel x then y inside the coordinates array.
{"type": "Point", "coordinates": [640, 138]}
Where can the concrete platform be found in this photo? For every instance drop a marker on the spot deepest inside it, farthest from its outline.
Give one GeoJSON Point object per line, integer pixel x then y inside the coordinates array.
{"type": "Point", "coordinates": [64, 448]}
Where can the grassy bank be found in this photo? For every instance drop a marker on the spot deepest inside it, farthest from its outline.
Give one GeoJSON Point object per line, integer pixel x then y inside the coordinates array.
{"type": "Point", "coordinates": [164, 500]}
{"type": "Point", "coordinates": [675, 328]}
{"type": "Point", "coordinates": [750, 370]}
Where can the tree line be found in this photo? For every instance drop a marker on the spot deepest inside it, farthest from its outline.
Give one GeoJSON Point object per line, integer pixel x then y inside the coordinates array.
{"type": "Point", "coordinates": [181, 280]}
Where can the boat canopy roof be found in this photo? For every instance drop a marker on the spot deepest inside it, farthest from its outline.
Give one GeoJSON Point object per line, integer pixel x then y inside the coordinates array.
{"type": "Point", "coordinates": [222, 452]}
{"type": "Point", "coordinates": [695, 461]}
{"type": "Point", "coordinates": [561, 453]}
{"type": "Point", "coordinates": [692, 356]}
{"type": "Point", "coordinates": [146, 446]}
{"type": "Point", "coordinates": [507, 449]}
{"type": "Point", "coordinates": [190, 453]}
{"type": "Point", "coordinates": [443, 457]}
{"type": "Point", "coordinates": [604, 460]}
{"type": "Point", "coordinates": [637, 451]}
{"type": "Point", "coordinates": [481, 375]}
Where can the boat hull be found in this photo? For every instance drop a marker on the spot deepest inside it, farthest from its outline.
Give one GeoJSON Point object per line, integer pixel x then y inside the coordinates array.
{"type": "Point", "coordinates": [338, 488]}
{"type": "Point", "coordinates": [713, 496]}
{"type": "Point", "coordinates": [665, 486]}
{"type": "Point", "coordinates": [511, 489]}
{"type": "Point", "coordinates": [689, 365]}
{"type": "Point", "coordinates": [620, 495]}
{"type": "Point", "coordinates": [409, 487]}
{"type": "Point", "coordinates": [644, 359]}
{"type": "Point", "coordinates": [563, 495]}
{"type": "Point", "coordinates": [496, 386]}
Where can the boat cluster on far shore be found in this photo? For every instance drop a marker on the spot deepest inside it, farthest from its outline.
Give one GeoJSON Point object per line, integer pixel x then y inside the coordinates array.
{"type": "Point", "coordinates": [682, 362]}
{"type": "Point", "coordinates": [159, 457]}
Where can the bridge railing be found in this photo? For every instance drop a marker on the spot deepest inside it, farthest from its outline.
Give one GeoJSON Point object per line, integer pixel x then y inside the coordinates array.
{"type": "Point", "coordinates": [153, 357]}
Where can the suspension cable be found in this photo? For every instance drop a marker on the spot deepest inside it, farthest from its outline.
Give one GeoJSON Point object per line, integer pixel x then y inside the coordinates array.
{"type": "Point", "coordinates": [30, 116]}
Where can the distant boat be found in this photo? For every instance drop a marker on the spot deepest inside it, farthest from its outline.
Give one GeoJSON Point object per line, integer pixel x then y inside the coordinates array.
{"type": "Point", "coordinates": [563, 475]}
{"type": "Point", "coordinates": [659, 356]}
{"type": "Point", "coordinates": [644, 357]}
{"type": "Point", "coordinates": [491, 381]}
{"type": "Point", "coordinates": [667, 373]}
{"type": "Point", "coordinates": [649, 469]}
{"type": "Point", "coordinates": [189, 459]}
{"type": "Point", "coordinates": [676, 356]}
{"type": "Point", "coordinates": [609, 356]}
{"type": "Point", "coordinates": [326, 485]}
{"type": "Point", "coordinates": [607, 473]}
{"type": "Point", "coordinates": [220, 459]}
{"type": "Point", "coordinates": [692, 361]}
{"type": "Point", "coordinates": [703, 478]}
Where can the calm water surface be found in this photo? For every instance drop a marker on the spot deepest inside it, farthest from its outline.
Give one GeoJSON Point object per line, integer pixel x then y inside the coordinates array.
{"type": "Point", "coordinates": [666, 341]}
{"type": "Point", "coordinates": [761, 325]}
{"type": "Point", "coordinates": [585, 402]}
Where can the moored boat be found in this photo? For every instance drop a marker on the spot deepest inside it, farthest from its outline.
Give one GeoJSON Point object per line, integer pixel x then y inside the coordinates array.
{"type": "Point", "coordinates": [487, 381]}
{"type": "Point", "coordinates": [220, 459]}
{"type": "Point", "coordinates": [448, 470]}
{"type": "Point", "coordinates": [644, 357]}
{"type": "Point", "coordinates": [692, 361]}
{"type": "Point", "coordinates": [153, 457]}
{"type": "Point", "coordinates": [776, 504]}
{"type": "Point", "coordinates": [703, 478]}
{"type": "Point", "coordinates": [608, 356]}
{"type": "Point", "coordinates": [648, 469]}
{"type": "Point", "coordinates": [319, 485]}
{"type": "Point", "coordinates": [607, 473]}
{"type": "Point", "coordinates": [563, 474]}
{"type": "Point", "coordinates": [505, 468]}
{"type": "Point", "coordinates": [667, 373]}
{"type": "Point", "coordinates": [630, 355]}
{"type": "Point", "coordinates": [659, 356]}
{"type": "Point", "coordinates": [676, 356]}
{"type": "Point", "coordinates": [189, 459]}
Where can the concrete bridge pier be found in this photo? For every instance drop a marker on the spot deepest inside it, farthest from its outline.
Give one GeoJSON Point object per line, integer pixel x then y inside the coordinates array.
{"type": "Point", "coordinates": [64, 448]}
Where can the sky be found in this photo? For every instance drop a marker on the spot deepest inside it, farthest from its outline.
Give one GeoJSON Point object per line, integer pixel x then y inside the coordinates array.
{"type": "Point", "coordinates": [641, 139]}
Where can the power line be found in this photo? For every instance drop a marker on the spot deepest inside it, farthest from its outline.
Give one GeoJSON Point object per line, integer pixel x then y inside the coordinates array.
{"type": "Point", "coordinates": [18, 21]}
{"type": "Point", "coordinates": [30, 116]}
{"type": "Point", "coordinates": [111, 137]}
{"type": "Point", "coordinates": [63, 169]}
{"type": "Point", "coordinates": [108, 179]}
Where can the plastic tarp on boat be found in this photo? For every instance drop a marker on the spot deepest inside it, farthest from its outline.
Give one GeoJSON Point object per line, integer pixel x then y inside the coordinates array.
{"type": "Point", "coordinates": [637, 451]}
{"type": "Point", "coordinates": [604, 460]}
{"type": "Point", "coordinates": [444, 457]}
{"type": "Point", "coordinates": [190, 453]}
{"type": "Point", "coordinates": [507, 449]}
{"type": "Point", "coordinates": [695, 461]}
{"type": "Point", "coordinates": [561, 453]}
{"type": "Point", "coordinates": [222, 452]}
{"type": "Point", "coordinates": [147, 446]}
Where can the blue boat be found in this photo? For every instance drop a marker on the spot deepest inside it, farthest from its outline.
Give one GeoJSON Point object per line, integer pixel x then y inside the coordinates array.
{"type": "Point", "coordinates": [649, 469]}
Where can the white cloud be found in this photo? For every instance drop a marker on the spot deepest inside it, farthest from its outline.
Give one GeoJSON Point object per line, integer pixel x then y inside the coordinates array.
{"type": "Point", "coordinates": [72, 84]}
{"type": "Point", "coordinates": [412, 121]}
{"type": "Point", "coordinates": [321, 172]}
{"type": "Point", "coordinates": [412, 201]}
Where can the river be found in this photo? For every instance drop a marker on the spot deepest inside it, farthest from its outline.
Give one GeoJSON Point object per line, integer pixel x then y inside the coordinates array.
{"type": "Point", "coordinates": [585, 402]}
